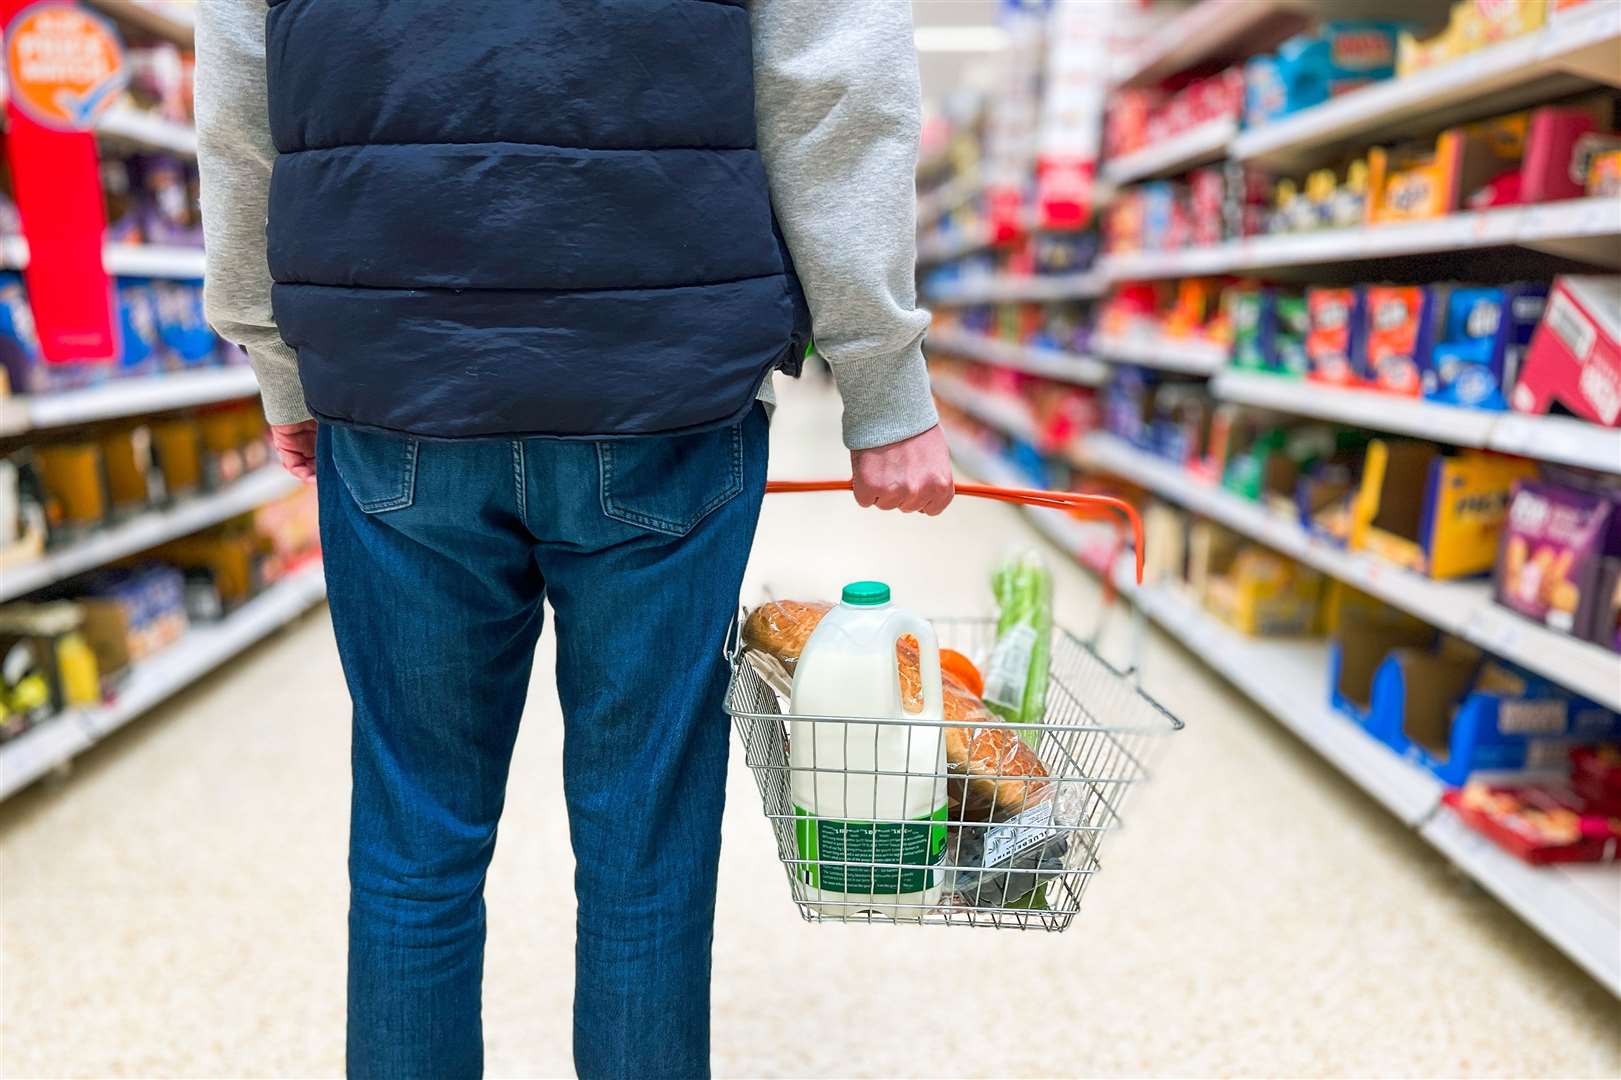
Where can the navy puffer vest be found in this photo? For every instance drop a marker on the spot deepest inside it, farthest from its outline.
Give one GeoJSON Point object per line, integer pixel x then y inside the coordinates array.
{"type": "Point", "coordinates": [524, 217]}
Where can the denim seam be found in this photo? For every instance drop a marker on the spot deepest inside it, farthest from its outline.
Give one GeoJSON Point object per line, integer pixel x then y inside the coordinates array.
{"type": "Point", "coordinates": [518, 479]}
{"type": "Point", "coordinates": [674, 528]}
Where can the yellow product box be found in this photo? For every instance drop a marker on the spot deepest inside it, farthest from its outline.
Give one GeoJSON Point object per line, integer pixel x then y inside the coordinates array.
{"type": "Point", "coordinates": [1471, 25]}
{"type": "Point", "coordinates": [1431, 512]}
{"type": "Point", "coordinates": [1412, 182]}
{"type": "Point", "coordinates": [1265, 594]}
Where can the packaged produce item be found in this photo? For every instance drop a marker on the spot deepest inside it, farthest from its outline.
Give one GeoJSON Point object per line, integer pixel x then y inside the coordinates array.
{"type": "Point", "coordinates": [871, 797]}
{"type": "Point", "coordinates": [1431, 511]}
{"type": "Point", "coordinates": [1539, 823]}
{"type": "Point", "coordinates": [1483, 336]}
{"type": "Point", "coordinates": [1574, 359]}
{"type": "Point", "coordinates": [1340, 56]}
{"type": "Point", "coordinates": [781, 627]}
{"type": "Point", "coordinates": [1016, 674]}
{"type": "Point", "coordinates": [1558, 547]}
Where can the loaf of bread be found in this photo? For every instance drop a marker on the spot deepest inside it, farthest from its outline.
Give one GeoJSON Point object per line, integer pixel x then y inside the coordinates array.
{"type": "Point", "coordinates": [1000, 775]}
{"type": "Point", "coordinates": [780, 628]}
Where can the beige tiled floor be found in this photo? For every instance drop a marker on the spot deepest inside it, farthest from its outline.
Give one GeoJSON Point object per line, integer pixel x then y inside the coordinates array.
{"type": "Point", "coordinates": [176, 906]}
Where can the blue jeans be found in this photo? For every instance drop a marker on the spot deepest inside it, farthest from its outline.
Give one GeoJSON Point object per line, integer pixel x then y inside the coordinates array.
{"type": "Point", "coordinates": [438, 555]}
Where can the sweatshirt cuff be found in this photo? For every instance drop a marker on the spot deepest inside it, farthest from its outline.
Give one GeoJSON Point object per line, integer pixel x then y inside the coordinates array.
{"type": "Point", "coordinates": [886, 398]}
{"type": "Point", "coordinates": [280, 392]}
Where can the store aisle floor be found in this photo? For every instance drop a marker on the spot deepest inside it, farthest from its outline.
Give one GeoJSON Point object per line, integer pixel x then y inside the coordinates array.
{"type": "Point", "coordinates": [176, 906]}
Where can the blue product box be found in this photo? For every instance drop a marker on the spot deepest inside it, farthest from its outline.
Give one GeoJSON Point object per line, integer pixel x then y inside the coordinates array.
{"type": "Point", "coordinates": [181, 325]}
{"type": "Point", "coordinates": [1310, 69]}
{"type": "Point", "coordinates": [140, 342]}
{"type": "Point", "coordinates": [1484, 333]}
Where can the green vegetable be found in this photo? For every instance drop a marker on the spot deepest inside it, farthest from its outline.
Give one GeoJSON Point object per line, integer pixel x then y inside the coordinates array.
{"type": "Point", "coordinates": [1016, 680]}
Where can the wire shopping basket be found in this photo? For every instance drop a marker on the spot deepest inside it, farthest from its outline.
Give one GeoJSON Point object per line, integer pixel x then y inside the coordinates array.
{"type": "Point", "coordinates": [1027, 806]}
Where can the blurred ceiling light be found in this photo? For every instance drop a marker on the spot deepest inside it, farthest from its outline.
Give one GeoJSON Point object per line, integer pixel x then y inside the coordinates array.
{"type": "Point", "coordinates": [961, 39]}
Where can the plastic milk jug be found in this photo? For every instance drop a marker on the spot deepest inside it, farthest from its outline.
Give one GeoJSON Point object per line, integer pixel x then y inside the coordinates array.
{"type": "Point", "coordinates": [869, 797]}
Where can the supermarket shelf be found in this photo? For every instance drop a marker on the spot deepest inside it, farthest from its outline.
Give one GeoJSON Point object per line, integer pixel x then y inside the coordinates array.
{"type": "Point", "coordinates": [146, 530]}
{"type": "Point", "coordinates": [1578, 908]}
{"type": "Point", "coordinates": [1010, 288]}
{"type": "Point", "coordinates": [125, 397]}
{"type": "Point", "coordinates": [963, 242]}
{"type": "Point", "coordinates": [1167, 354]}
{"type": "Point", "coordinates": [1588, 229]}
{"type": "Point", "coordinates": [946, 198]}
{"type": "Point", "coordinates": [147, 131]}
{"type": "Point", "coordinates": [1196, 146]}
{"type": "Point", "coordinates": [1211, 29]}
{"type": "Point", "coordinates": [1047, 363]}
{"type": "Point", "coordinates": [994, 410]}
{"type": "Point", "coordinates": [1581, 45]}
{"type": "Point", "coordinates": [1548, 438]}
{"type": "Point", "coordinates": [133, 260]}
{"type": "Point", "coordinates": [167, 19]}
{"type": "Point", "coordinates": [1462, 608]}
{"type": "Point", "coordinates": [201, 650]}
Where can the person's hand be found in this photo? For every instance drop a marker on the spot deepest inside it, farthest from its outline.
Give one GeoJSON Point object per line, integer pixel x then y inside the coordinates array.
{"type": "Point", "coordinates": [295, 445]}
{"type": "Point", "coordinates": [913, 474]}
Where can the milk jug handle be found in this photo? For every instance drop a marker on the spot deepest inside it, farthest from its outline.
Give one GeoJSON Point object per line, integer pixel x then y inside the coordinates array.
{"type": "Point", "coordinates": [902, 623]}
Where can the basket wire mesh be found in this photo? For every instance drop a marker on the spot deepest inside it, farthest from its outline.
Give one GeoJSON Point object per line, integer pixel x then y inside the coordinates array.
{"type": "Point", "coordinates": [1013, 850]}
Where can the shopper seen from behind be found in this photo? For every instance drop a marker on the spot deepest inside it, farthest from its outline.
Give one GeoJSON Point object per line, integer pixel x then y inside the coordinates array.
{"type": "Point", "coordinates": [528, 269]}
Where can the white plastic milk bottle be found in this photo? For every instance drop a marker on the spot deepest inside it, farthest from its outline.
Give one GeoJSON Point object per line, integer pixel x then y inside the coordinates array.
{"type": "Point", "coordinates": [869, 795]}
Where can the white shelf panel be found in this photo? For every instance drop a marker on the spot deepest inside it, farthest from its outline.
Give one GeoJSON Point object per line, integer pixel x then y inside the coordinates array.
{"type": "Point", "coordinates": [146, 530]}
{"type": "Point", "coordinates": [1206, 29]}
{"type": "Point", "coordinates": [944, 249]}
{"type": "Point", "coordinates": [1195, 146]}
{"type": "Point", "coordinates": [1166, 354]}
{"type": "Point", "coordinates": [1012, 288]}
{"type": "Point", "coordinates": [161, 676]}
{"type": "Point", "coordinates": [1578, 908]}
{"type": "Point", "coordinates": [1588, 229]}
{"type": "Point", "coordinates": [1462, 608]}
{"type": "Point", "coordinates": [1004, 414]}
{"type": "Point", "coordinates": [1548, 438]}
{"type": "Point", "coordinates": [125, 397]}
{"type": "Point", "coordinates": [130, 125]}
{"type": "Point", "coordinates": [131, 260]}
{"type": "Point", "coordinates": [1585, 41]}
{"type": "Point", "coordinates": [1047, 363]}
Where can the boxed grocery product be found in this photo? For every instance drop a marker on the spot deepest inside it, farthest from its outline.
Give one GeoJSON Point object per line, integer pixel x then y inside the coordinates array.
{"type": "Point", "coordinates": [1365, 631]}
{"type": "Point", "coordinates": [1554, 168]}
{"type": "Point", "coordinates": [1417, 180]}
{"type": "Point", "coordinates": [1398, 335]}
{"type": "Point", "coordinates": [1335, 324]}
{"type": "Point", "coordinates": [1604, 173]}
{"type": "Point", "coordinates": [1456, 714]}
{"type": "Point", "coordinates": [47, 665]}
{"type": "Point", "coordinates": [24, 366]}
{"type": "Point", "coordinates": [1211, 551]}
{"type": "Point", "coordinates": [224, 567]}
{"type": "Point", "coordinates": [1559, 547]}
{"type": "Point", "coordinates": [188, 341]}
{"type": "Point", "coordinates": [1595, 775]}
{"type": "Point", "coordinates": [1483, 336]}
{"type": "Point", "coordinates": [1473, 24]}
{"type": "Point", "coordinates": [1431, 511]}
{"type": "Point", "coordinates": [1180, 423]}
{"type": "Point", "coordinates": [1265, 594]}
{"type": "Point", "coordinates": [1540, 823]}
{"type": "Point", "coordinates": [1574, 358]}
{"type": "Point", "coordinates": [150, 598]}
{"type": "Point", "coordinates": [1340, 56]}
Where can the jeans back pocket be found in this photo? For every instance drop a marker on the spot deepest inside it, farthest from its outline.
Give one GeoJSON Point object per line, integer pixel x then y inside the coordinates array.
{"type": "Point", "coordinates": [670, 483]}
{"type": "Point", "coordinates": [379, 468]}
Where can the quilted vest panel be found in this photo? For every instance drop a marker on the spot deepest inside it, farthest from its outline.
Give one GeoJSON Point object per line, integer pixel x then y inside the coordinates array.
{"type": "Point", "coordinates": [524, 217]}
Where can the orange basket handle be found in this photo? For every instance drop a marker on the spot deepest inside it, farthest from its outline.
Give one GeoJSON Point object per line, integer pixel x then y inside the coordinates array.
{"type": "Point", "coordinates": [1071, 501]}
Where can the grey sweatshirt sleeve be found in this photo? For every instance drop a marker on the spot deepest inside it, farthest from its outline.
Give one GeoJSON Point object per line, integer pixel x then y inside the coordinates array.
{"type": "Point", "coordinates": [838, 112]}
{"type": "Point", "coordinates": [234, 155]}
